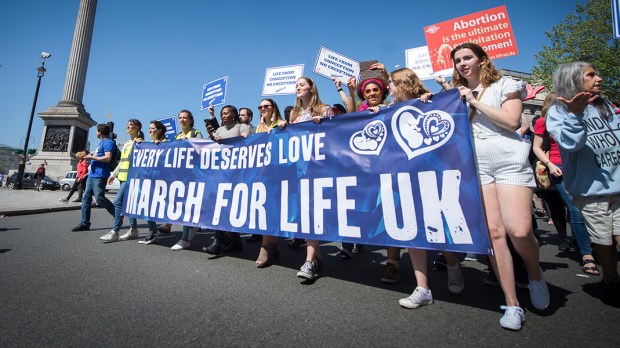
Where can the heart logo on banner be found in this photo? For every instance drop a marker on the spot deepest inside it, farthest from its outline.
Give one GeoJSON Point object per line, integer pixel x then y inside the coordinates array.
{"type": "Point", "coordinates": [417, 132]}
{"type": "Point", "coordinates": [370, 140]}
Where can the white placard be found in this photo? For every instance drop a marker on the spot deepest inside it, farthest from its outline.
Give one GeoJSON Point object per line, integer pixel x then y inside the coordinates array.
{"type": "Point", "coordinates": [419, 60]}
{"type": "Point", "coordinates": [333, 64]}
{"type": "Point", "coordinates": [281, 80]}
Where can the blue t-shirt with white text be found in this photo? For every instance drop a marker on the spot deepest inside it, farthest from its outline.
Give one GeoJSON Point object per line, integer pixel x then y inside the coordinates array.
{"type": "Point", "coordinates": [102, 169]}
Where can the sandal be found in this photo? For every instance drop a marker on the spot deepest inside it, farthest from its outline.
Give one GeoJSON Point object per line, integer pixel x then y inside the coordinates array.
{"type": "Point", "coordinates": [591, 270]}
{"type": "Point", "coordinates": [265, 256]}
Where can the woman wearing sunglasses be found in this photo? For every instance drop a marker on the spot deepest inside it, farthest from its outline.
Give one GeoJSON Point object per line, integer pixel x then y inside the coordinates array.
{"type": "Point", "coordinates": [270, 118]}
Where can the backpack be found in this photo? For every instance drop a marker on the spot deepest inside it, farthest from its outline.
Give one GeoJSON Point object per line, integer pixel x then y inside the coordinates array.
{"type": "Point", "coordinates": [116, 158]}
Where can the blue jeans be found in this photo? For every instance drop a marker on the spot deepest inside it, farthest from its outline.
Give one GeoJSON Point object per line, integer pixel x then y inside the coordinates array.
{"type": "Point", "coordinates": [118, 210]}
{"type": "Point", "coordinates": [580, 233]}
{"type": "Point", "coordinates": [185, 235]}
{"type": "Point", "coordinates": [95, 187]}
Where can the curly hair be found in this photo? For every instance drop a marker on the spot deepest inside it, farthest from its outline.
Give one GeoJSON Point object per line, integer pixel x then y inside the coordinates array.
{"type": "Point", "coordinates": [408, 85]}
{"type": "Point", "coordinates": [80, 155]}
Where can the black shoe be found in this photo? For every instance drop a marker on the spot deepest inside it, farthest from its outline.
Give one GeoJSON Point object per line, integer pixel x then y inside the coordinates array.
{"type": "Point", "coordinates": [564, 245]}
{"type": "Point", "coordinates": [214, 249]}
{"type": "Point", "coordinates": [150, 239]}
{"type": "Point", "coordinates": [491, 278]}
{"type": "Point", "coordinates": [233, 246]}
{"type": "Point", "coordinates": [254, 238]}
{"type": "Point", "coordinates": [296, 243]}
{"type": "Point", "coordinates": [611, 288]}
{"type": "Point", "coordinates": [540, 213]}
{"type": "Point", "coordinates": [440, 262]}
{"type": "Point", "coordinates": [344, 253]}
{"type": "Point", "coordinates": [80, 227]}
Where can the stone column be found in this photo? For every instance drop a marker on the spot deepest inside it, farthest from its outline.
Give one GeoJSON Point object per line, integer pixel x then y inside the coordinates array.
{"type": "Point", "coordinates": [65, 131]}
{"type": "Point", "coordinates": [80, 52]}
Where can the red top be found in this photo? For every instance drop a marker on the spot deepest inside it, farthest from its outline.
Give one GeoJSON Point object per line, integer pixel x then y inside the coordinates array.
{"type": "Point", "coordinates": [554, 152]}
{"type": "Point", "coordinates": [82, 169]}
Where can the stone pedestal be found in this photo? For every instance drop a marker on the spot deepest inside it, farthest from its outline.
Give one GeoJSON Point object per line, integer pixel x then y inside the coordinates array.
{"type": "Point", "coordinates": [65, 132]}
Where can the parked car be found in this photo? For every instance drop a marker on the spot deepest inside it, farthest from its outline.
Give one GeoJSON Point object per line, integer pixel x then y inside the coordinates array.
{"type": "Point", "coordinates": [47, 183]}
{"type": "Point", "coordinates": [67, 182]}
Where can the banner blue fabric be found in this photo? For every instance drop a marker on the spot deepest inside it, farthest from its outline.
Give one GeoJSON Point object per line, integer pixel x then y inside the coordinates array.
{"type": "Point", "coordinates": [405, 176]}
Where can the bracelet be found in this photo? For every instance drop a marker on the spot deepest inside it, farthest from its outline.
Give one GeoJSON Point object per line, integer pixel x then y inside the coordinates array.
{"type": "Point", "coordinates": [339, 89]}
{"type": "Point", "coordinates": [547, 163]}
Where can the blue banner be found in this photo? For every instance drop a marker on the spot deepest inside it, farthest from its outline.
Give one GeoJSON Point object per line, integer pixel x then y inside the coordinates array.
{"type": "Point", "coordinates": [171, 126]}
{"type": "Point", "coordinates": [214, 93]}
{"type": "Point", "coordinates": [405, 176]}
{"type": "Point", "coordinates": [615, 17]}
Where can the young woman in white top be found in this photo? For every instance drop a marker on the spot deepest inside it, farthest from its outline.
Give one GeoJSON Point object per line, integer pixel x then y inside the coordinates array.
{"type": "Point", "coordinates": [506, 177]}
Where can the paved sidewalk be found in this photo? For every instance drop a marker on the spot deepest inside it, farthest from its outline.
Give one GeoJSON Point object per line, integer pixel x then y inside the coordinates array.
{"type": "Point", "coordinates": [24, 202]}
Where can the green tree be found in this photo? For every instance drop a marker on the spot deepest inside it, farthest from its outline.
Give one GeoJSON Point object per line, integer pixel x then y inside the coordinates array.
{"type": "Point", "coordinates": [585, 35]}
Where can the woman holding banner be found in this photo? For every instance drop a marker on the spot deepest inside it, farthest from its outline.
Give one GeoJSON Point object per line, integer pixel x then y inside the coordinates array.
{"type": "Point", "coordinates": [186, 120]}
{"type": "Point", "coordinates": [308, 107]}
{"type": "Point", "coordinates": [371, 93]}
{"type": "Point", "coordinates": [506, 177]}
{"type": "Point", "coordinates": [134, 130]}
{"type": "Point", "coordinates": [157, 132]}
{"type": "Point", "coordinates": [230, 128]}
{"type": "Point", "coordinates": [270, 118]}
{"type": "Point", "coordinates": [404, 85]}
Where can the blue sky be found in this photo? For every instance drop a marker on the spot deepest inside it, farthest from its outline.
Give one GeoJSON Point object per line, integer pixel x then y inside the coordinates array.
{"type": "Point", "coordinates": [150, 59]}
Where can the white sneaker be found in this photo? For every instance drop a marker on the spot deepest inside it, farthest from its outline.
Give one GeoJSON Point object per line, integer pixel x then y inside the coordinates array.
{"type": "Point", "coordinates": [132, 233]}
{"type": "Point", "coordinates": [455, 279]}
{"type": "Point", "coordinates": [181, 244]}
{"type": "Point", "coordinates": [418, 298]}
{"type": "Point", "coordinates": [539, 293]}
{"type": "Point", "coordinates": [110, 237]}
{"type": "Point", "coordinates": [513, 318]}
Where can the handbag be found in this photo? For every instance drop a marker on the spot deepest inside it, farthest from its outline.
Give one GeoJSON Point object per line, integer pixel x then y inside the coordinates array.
{"type": "Point", "coordinates": [541, 173]}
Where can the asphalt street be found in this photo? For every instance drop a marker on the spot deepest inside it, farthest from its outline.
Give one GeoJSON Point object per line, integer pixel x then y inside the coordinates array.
{"type": "Point", "coordinates": [63, 288]}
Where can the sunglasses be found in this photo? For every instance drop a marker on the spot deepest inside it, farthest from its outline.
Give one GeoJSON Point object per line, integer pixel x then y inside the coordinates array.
{"type": "Point", "coordinates": [261, 107]}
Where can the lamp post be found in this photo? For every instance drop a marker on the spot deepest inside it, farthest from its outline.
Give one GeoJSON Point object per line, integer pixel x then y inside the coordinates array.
{"type": "Point", "coordinates": [22, 163]}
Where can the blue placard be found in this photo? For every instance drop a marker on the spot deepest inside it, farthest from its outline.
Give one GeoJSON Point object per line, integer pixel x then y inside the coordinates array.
{"type": "Point", "coordinates": [615, 17]}
{"type": "Point", "coordinates": [171, 126]}
{"type": "Point", "coordinates": [405, 176]}
{"type": "Point", "coordinates": [214, 93]}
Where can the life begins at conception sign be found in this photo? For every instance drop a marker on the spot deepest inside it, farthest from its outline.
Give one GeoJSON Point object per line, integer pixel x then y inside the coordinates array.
{"type": "Point", "coordinates": [490, 29]}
